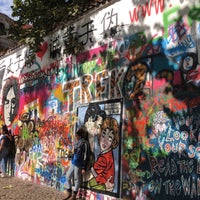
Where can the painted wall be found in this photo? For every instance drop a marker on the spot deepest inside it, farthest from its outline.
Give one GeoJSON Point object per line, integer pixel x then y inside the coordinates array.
{"type": "Point", "coordinates": [139, 73]}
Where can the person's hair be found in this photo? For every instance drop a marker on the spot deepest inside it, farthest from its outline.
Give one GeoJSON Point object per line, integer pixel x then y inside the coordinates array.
{"type": "Point", "coordinates": [81, 132]}
{"type": "Point", "coordinates": [111, 124]}
{"type": "Point", "coordinates": [93, 111]}
{"type": "Point", "coordinates": [5, 129]}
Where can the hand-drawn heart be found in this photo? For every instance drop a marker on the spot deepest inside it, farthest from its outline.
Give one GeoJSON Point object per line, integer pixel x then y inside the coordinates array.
{"type": "Point", "coordinates": [43, 48]}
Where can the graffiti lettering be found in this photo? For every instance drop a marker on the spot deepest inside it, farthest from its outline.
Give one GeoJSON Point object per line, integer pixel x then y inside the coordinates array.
{"type": "Point", "coordinates": [189, 186]}
{"type": "Point", "coordinates": [186, 166]}
{"type": "Point", "coordinates": [135, 80]}
{"type": "Point", "coordinates": [111, 21]}
{"type": "Point", "coordinates": [115, 91]}
{"type": "Point", "coordinates": [86, 93]}
{"type": "Point", "coordinates": [103, 79]}
{"type": "Point", "coordinates": [155, 186]}
{"type": "Point", "coordinates": [101, 85]}
{"type": "Point", "coordinates": [87, 32]}
{"type": "Point", "coordinates": [18, 61]}
{"type": "Point", "coordinates": [42, 74]}
{"type": "Point", "coordinates": [193, 151]}
{"type": "Point", "coordinates": [177, 31]}
{"type": "Point", "coordinates": [70, 87]}
{"type": "Point", "coordinates": [8, 69]}
{"type": "Point", "coordinates": [55, 48]}
{"type": "Point", "coordinates": [167, 167]}
{"type": "Point", "coordinates": [146, 9]}
{"type": "Point", "coordinates": [170, 167]}
{"type": "Point", "coordinates": [172, 187]}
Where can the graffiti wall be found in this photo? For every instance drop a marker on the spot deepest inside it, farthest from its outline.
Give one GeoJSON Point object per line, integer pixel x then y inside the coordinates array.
{"type": "Point", "coordinates": [140, 75]}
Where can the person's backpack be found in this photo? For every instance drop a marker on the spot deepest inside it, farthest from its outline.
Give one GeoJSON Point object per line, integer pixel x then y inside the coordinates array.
{"type": "Point", "coordinates": [6, 141]}
{"type": "Point", "coordinates": [12, 146]}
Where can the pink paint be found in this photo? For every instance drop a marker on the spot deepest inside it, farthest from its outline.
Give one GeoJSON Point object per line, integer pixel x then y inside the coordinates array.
{"type": "Point", "coordinates": [157, 84]}
{"type": "Point", "coordinates": [42, 95]}
{"type": "Point", "coordinates": [89, 55]}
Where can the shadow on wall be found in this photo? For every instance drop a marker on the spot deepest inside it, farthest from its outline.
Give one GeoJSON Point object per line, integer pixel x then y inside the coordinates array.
{"type": "Point", "coordinates": [160, 160]}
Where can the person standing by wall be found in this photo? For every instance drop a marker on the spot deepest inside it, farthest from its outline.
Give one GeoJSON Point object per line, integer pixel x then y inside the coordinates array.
{"type": "Point", "coordinates": [78, 164]}
{"type": "Point", "coordinates": [4, 150]}
{"type": "Point", "coordinates": [11, 155]}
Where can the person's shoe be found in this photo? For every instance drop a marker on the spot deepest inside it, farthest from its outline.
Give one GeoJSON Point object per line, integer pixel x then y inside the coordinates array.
{"type": "Point", "coordinates": [69, 194]}
{"type": "Point", "coordinates": [2, 175]}
{"type": "Point", "coordinates": [73, 197]}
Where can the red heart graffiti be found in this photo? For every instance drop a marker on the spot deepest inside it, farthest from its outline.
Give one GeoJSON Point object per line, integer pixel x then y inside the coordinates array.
{"type": "Point", "coordinates": [43, 48]}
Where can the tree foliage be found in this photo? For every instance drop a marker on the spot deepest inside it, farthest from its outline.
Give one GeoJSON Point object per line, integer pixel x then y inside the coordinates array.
{"type": "Point", "coordinates": [37, 18]}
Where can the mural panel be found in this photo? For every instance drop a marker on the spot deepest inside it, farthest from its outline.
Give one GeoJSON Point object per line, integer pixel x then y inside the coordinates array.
{"type": "Point", "coordinates": [103, 123]}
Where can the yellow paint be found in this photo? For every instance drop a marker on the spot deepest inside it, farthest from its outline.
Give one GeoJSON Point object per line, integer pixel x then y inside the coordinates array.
{"type": "Point", "coordinates": [58, 93]}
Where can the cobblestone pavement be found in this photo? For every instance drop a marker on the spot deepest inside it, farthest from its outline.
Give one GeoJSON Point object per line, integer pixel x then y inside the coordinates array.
{"type": "Point", "coordinates": [18, 189]}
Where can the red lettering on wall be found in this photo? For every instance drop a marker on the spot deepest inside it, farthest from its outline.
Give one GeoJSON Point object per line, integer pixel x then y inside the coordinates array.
{"type": "Point", "coordinates": [143, 10]}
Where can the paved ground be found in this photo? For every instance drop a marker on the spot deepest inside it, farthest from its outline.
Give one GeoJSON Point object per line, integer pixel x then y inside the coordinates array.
{"type": "Point", "coordinates": [15, 188]}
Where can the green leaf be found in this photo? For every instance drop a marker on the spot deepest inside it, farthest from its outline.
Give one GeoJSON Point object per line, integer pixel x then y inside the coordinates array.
{"type": "Point", "coordinates": [44, 16]}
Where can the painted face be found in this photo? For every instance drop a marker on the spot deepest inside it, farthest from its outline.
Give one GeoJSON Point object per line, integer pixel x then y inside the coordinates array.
{"type": "Point", "coordinates": [106, 139]}
{"type": "Point", "coordinates": [9, 106]}
{"type": "Point", "coordinates": [187, 63]}
{"type": "Point", "coordinates": [94, 127]}
{"type": "Point", "coordinates": [160, 122]}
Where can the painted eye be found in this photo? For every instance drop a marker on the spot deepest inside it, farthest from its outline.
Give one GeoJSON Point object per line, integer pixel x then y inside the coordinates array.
{"type": "Point", "coordinates": [187, 58]}
{"type": "Point", "coordinates": [6, 102]}
{"type": "Point", "coordinates": [110, 139]}
{"type": "Point", "coordinates": [103, 133]}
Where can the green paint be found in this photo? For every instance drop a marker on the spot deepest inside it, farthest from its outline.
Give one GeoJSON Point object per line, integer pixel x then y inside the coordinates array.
{"type": "Point", "coordinates": [25, 134]}
{"type": "Point", "coordinates": [88, 66]}
{"type": "Point", "coordinates": [194, 14]}
{"type": "Point", "coordinates": [168, 19]}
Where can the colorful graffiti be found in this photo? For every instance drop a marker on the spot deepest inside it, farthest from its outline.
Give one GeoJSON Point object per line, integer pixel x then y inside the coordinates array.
{"type": "Point", "coordinates": [139, 76]}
